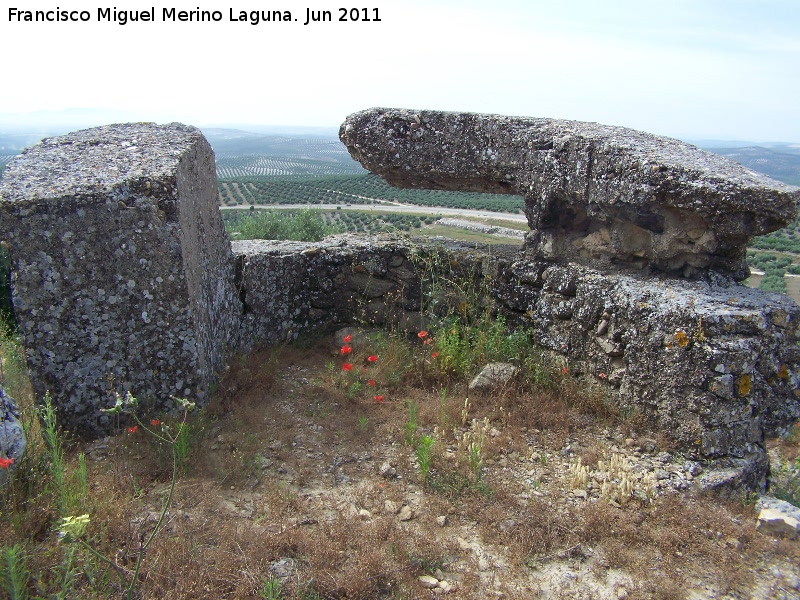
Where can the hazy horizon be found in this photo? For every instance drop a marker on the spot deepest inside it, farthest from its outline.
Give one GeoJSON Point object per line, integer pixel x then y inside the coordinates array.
{"type": "Point", "coordinates": [49, 123]}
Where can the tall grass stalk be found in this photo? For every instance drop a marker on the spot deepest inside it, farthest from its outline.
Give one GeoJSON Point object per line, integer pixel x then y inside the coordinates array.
{"type": "Point", "coordinates": [14, 574]}
{"type": "Point", "coordinates": [423, 452]}
{"type": "Point", "coordinates": [410, 429]}
{"type": "Point", "coordinates": [55, 451]}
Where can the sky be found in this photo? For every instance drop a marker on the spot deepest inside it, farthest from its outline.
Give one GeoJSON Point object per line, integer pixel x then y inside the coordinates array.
{"type": "Point", "coordinates": [700, 69]}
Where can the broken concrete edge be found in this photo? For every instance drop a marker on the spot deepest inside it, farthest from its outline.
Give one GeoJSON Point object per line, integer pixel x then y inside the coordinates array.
{"type": "Point", "coordinates": [595, 194]}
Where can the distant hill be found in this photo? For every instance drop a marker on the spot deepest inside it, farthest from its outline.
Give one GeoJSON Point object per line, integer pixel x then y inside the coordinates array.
{"type": "Point", "coordinates": [781, 162]}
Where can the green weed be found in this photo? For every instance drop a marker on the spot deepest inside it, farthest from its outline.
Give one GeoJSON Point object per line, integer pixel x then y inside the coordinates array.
{"type": "Point", "coordinates": [14, 574]}
{"type": "Point", "coordinates": [423, 452]}
{"type": "Point", "coordinates": [353, 390]}
{"type": "Point", "coordinates": [306, 225]}
{"type": "Point", "coordinates": [70, 491]}
{"type": "Point", "coordinates": [13, 372]}
{"type": "Point", "coordinates": [410, 428]}
{"type": "Point", "coordinates": [363, 423]}
{"type": "Point", "coordinates": [73, 528]}
{"type": "Point", "coordinates": [271, 589]}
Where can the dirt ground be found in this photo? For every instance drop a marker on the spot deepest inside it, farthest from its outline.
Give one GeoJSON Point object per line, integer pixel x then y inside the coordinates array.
{"type": "Point", "coordinates": [305, 481]}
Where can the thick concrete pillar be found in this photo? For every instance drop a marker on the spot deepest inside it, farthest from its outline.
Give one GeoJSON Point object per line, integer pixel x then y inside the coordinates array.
{"type": "Point", "coordinates": [122, 270]}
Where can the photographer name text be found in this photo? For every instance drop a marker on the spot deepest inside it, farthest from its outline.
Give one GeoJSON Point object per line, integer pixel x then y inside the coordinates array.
{"type": "Point", "coordinates": [173, 15]}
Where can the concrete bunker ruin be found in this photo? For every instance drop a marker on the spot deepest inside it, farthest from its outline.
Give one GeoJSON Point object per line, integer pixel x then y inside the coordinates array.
{"type": "Point", "coordinates": [124, 277]}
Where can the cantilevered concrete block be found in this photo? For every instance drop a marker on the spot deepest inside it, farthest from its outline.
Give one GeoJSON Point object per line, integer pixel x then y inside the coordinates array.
{"type": "Point", "coordinates": [596, 194]}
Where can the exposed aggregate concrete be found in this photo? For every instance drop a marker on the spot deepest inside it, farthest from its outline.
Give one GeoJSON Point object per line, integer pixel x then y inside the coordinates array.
{"type": "Point", "coordinates": [121, 267]}
{"type": "Point", "coordinates": [594, 193]}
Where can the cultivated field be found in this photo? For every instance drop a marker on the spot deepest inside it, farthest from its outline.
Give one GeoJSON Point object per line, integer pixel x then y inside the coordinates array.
{"type": "Point", "coordinates": [353, 189]}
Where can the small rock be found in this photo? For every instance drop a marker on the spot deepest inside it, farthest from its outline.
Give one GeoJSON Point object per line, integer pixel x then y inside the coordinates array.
{"type": "Point", "coordinates": [493, 375]}
{"type": "Point", "coordinates": [507, 525]}
{"type": "Point", "coordinates": [446, 586]}
{"type": "Point", "coordinates": [441, 520]}
{"type": "Point", "coordinates": [405, 514]}
{"type": "Point", "coordinates": [364, 514]}
{"type": "Point", "coordinates": [283, 568]}
{"type": "Point", "coordinates": [734, 543]}
{"type": "Point", "coordinates": [390, 507]}
{"type": "Point", "coordinates": [579, 493]}
{"type": "Point", "coordinates": [792, 580]}
{"type": "Point", "coordinates": [428, 581]}
{"type": "Point", "coordinates": [387, 470]}
{"type": "Point", "coordinates": [775, 522]}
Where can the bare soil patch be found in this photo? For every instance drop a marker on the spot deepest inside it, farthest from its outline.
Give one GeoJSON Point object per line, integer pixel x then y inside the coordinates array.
{"type": "Point", "coordinates": [298, 479]}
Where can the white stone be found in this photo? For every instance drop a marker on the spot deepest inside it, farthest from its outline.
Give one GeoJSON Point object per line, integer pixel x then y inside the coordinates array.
{"type": "Point", "coordinates": [775, 522]}
{"type": "Point", "coordinates": [428, 581]}
{"type": "Point", "coordinates": [446, 586]}
{"type": "Point", "coordinates": [493, 375]}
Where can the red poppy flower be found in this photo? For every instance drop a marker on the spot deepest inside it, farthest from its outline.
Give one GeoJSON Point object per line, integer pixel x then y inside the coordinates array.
{"type": "Point", "coordinates": [347, 367]}
{"type": "Point", "coordinates": [378, 398]}
{"type": "Point", "coordinates": [564, 370]}
{"type": "Point", "coordinates": [346, 350]}
{"type": "Point", "coordinates": [422, 334]}
{"type": "Point", "coordinates": [371, 382]}
{"type": "Point", "coordinates": [6, 462]}
{"type": "Point", "coordinates": [133, 429]}
{"type": "Point", "coordinates": [434, 354]}
{"type": "Point", "coordinates": [372, 358]}
{"type": "Point", "coordinates": [602, 375]}
{"type": "Point", "coordinates": [155, 422]}
{"type": "Point", "coordinates": [347, 339]}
